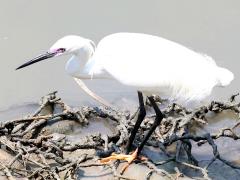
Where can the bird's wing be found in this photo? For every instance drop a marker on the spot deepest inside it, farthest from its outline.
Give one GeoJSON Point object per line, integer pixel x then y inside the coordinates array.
{"type": "Point", "coordinates": [145, 60]}
{"type": "Point", "coordinates": [156, 64]}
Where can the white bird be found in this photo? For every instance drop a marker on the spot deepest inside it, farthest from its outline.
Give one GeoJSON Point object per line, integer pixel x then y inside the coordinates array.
{"type": "Point", "coordinates": [152, 64]}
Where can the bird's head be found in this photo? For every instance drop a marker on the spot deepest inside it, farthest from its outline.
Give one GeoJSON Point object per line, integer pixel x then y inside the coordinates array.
{"type": "Point", "coordinates": [67, 45]}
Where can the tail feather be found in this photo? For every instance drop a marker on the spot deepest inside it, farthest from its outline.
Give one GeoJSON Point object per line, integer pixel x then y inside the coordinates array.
{"type": "Point", "coordinates": [224, 76]}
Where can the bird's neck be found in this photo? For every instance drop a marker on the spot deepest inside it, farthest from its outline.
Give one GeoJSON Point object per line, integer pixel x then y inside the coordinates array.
{"type": "Point", "coordinates": [83, 65]}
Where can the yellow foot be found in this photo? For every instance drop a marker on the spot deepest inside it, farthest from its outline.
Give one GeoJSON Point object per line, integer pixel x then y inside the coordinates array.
{"type": "Point", "coordinates": [129, 158]}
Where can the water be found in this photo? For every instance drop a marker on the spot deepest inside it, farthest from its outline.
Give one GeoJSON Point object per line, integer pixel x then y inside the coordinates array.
{"type": "Point", "coordinates": [29, 28]}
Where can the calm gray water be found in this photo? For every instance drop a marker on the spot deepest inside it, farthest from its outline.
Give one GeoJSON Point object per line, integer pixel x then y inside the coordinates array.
{"type": "Point", "coordinates": [29, 28]}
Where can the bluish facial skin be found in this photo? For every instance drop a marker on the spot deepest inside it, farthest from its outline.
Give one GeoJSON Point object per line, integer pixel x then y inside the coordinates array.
{"type": "Point", "coordinates": [58, 51]}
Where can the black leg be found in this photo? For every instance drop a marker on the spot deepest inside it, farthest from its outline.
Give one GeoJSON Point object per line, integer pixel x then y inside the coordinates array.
{"type": "Point", "coordinates": [158, 119]}
{"type": "Point", "coordinates": [140, 116]}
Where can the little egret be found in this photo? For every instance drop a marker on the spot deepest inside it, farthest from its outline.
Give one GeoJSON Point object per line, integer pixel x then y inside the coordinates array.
{"type": "Point", "coordinates": [152, 64]}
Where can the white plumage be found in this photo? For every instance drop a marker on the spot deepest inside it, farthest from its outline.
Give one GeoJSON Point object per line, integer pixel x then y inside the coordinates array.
{"type": "Point", "coordinates": [152, 64]}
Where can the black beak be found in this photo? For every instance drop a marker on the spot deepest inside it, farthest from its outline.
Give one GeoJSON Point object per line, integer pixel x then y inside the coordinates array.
{"type": "Point", "coordinates": [37, 59]}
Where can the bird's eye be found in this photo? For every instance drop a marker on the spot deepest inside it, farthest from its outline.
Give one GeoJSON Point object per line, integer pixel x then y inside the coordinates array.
{"type": "Point", "coordinates": [61, 50]}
